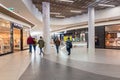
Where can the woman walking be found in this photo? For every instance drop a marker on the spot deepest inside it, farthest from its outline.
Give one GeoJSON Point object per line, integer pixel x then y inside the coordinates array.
{"type": "Point", "coordinates": [41, 44]}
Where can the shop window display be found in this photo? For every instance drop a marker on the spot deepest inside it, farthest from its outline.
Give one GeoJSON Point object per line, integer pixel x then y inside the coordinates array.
{"type": "Point", "coordinates": [112, 40]}
{"type": "Point", "coordinates": [78, 35]}
{"type": "Point", "coordinates": [112, 37]}
{"type": "Point", "coordinates": [25, 36]}
{"type": "Point", "coordinates": [4, 36]}
{"type": "Point", "coordinates": [82, 37]}
{"type": "Point", "coordinates": [66, 38]}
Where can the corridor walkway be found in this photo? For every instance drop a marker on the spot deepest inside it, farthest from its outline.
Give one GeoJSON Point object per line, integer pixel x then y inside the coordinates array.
{"type": "Point", "coordinates": [104, 64]}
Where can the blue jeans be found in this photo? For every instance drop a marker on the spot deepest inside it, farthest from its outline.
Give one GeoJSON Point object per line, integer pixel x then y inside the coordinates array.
{"type": "Point", "coordinates": [69, 51]}
{"type": "Point", "coordinates": [30, 48]}
{"type": "Point", "coordinates": [57, 48]}
{"type": "Point", "coordinates": [34, 47]}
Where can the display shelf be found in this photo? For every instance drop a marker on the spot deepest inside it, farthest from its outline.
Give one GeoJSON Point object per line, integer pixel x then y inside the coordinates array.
{"type": "Point", "coordinates": [4, 42]}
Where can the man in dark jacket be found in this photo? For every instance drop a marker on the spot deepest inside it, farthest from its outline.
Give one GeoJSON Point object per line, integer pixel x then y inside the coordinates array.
{"type": "Point", "coordinates": [41, 44]}
{"type": "Point", "coordinates": [68, 46]}
{"type": "Point", "coordinates": [30, 43]}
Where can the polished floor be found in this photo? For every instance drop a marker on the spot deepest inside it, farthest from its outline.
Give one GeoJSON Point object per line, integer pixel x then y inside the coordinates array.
{"type": "Point", "coordinates": [104, 64]}
{"type": "Point", "coordinates": [48, 70]}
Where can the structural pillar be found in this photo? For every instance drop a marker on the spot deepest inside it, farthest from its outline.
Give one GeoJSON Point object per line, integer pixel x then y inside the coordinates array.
{"type": "Point", "coordinates": [46, 27]}
{"type": "Point", "coordinates": [91, 29]}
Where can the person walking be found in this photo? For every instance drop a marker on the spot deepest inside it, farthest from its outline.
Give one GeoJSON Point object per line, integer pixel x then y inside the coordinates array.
{"type": "Point", "coordinates": [34, 44]}
{"type": "Point", "coordinates": [30, 43]}
{"type": "Point", "coordinates": [41, 44]}
{"type": "Point", "coordinates": [57, 44]}
{"type": "Point", "coordinates": [68, 46]}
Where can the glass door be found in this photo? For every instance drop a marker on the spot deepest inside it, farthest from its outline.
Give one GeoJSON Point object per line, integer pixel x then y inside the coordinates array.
{"type": "Point", "coordinates": [17, 39]}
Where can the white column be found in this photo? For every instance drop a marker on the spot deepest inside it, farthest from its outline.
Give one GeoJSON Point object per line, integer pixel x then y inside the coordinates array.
{"type": "Point", "coordinates": [46, 27]}
{"type": "Point", "coordinates": [91, 29]}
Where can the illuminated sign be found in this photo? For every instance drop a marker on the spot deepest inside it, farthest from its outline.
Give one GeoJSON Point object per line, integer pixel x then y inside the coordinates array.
{"type": "Point", "coordinates": [17, 25]}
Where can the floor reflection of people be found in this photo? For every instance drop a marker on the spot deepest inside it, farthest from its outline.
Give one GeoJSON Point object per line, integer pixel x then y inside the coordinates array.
{"type": "Point", "coordinates": [57, 58]}
{"type": "Point", "coordinates": [96, 41]}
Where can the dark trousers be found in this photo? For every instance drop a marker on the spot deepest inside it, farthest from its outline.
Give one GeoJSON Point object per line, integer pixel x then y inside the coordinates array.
{"type": "Point", "coordinates": [41, 51]}
{"type": "Point", "coordinates": [30, 48]}
{"type": "Point", "coordinates": [34, 47]}
{"type": "Point", "coordinates": [57, 48]}
{"type": "Point", "coordinates": [69, 51]}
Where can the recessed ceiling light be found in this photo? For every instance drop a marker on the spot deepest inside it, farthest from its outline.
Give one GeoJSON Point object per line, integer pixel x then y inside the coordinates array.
{"type": "Point", "coordinates": [60, 16]}
{"type": "Point", "coordinates": [106, 5]}
{"type": "Point", "coordinates": [107, 2]}
{"type": "Point", "coordinates": [76, 11]}
{"type": "Point", "coordinates": [67, 1]}
{"type": "Point", "coordinates": [55, 13]}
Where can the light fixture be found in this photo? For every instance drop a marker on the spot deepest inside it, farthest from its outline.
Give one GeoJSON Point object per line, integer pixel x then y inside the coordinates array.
{"type": "Point", "coordinates": [71, 1]}
{"type": "Point", "coordinates": [107, 2]}
{"type": "Point", "coordinates": [60, 16]}
{"type": "Point", "coordinates": [55, 13]}
{"type": "Point", "coordinates": [106, 5]}
{"type": "Point", "coordinates": [76, 11]}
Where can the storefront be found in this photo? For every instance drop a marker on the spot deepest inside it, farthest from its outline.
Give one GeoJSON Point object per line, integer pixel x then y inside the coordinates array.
{"type": "Point", "coordinates": [20, 35]}
{"type": "Point", "coordinates": [13, 37]}
{"type": "Point", "coordinates": [81, 35]}
{"type": "Point", "coordinates": [106, 37]}
{"type": "Point", "coordinates": [112, 36]}
{"type": "Point", "coordinates": [14, 31]}
{"type": "Point", "coordinates": [78, 35]}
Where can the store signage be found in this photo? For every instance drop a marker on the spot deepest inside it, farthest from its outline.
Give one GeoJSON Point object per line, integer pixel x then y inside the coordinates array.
{"type": "Point", "coordinates": [17, 25]}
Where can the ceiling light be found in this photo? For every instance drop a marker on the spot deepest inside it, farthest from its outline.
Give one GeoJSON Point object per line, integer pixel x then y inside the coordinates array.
{"type": "Point", "coordinates": [67, 1]}
{"type": "Point", "coordinates": [60, 16]}
{"type": "Point", "coordinates": [106, 5]}
{"type": "Point", "coordinates": [107, 2]}
{"type": "Point", "coordinates": [76, 11]}
{"type": "Point", "coordinates": [55, 13]}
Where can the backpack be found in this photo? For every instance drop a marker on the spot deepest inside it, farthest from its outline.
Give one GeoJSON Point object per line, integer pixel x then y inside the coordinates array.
{"type": "Point", "coordinates": [69, 44]}
{"type": "Point", "coordinates": [34, 42]}
{"type": "Point", "coordinates": [57, 42]}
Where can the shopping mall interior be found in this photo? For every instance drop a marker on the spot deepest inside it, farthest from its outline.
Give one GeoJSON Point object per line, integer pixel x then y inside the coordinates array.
{"type": "Point", "coordinates": [92, 26]}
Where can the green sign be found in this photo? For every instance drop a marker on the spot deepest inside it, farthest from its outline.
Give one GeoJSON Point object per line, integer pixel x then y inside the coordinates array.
{"type": "Point", "coordinates": [11, 9]}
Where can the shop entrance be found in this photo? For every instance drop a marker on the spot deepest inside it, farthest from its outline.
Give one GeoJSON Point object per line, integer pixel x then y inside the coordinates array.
{"type": "Point", "coordinates": [17, 39]}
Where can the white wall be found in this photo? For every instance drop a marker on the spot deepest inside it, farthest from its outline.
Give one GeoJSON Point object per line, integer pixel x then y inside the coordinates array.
{"type": "Point", "coordinates": [13, 20]}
